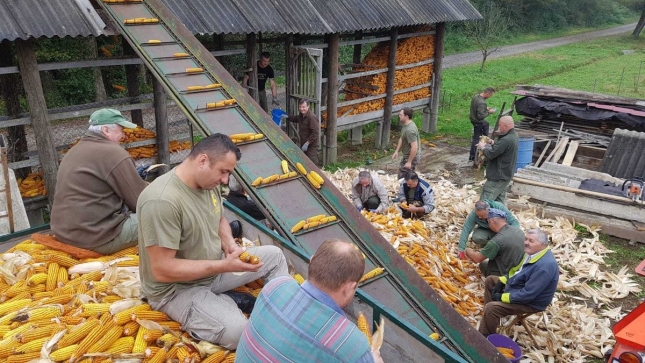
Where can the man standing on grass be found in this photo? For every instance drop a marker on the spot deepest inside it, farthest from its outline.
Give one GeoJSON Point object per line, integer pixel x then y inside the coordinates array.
{"type": "Point", "coordinates": [478, 113]}
{"type": "Point", "coordinates": [409, 143]}
{"type": "Point", "coordinates": [502, 159]}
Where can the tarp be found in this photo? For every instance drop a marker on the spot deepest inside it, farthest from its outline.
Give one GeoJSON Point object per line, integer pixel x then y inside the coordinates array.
{"type": "Point", "coordinates": [552, 109]}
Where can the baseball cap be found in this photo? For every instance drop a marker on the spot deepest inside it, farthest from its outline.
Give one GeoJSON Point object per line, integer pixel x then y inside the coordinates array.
{"type": "Point", "coordinates": [496, 213]}
{"type": "Point", "coordinates": [106, 116]}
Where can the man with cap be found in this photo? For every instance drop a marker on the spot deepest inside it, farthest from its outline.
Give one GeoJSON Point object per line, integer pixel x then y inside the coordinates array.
{"type": "Point", "coordinates": [503, 251]}
{"type": "Point", "coordinates": [477, 222]}
{"type": "Point", "coordinates": [97, 189]}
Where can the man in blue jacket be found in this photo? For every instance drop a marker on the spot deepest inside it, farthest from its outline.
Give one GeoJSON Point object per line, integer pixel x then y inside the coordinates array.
{"type": "Point", "coordinates": [527, 288]}
{"type": "Point", "coordinates": [417, 195]}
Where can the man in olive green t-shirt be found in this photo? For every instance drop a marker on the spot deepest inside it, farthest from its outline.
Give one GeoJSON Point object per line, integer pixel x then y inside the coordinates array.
{"type": "Point", "coordinates": [189, 260]}
{"type": "Point", "coordinates": [409, 143]}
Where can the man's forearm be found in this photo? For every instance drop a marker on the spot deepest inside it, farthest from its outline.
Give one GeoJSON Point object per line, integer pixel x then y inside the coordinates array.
{"type": "Point", "coordinates": [413, 151]}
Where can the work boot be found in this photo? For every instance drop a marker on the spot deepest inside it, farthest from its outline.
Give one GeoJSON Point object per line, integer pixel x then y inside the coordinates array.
{"type": "Point", "coordinates": [236, 228]}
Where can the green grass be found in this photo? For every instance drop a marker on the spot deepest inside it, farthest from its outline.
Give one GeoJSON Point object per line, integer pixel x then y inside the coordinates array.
{"type": "Point", "coordinates": [576, 66]}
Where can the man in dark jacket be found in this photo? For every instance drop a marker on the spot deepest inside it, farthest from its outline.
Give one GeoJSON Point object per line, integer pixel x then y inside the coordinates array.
{"type": "Point", "coordinates": [527, 288]}
{"type": "Point", "coordinates": [417, 195]}
{"type": "Point", "coordinates": [237, 197]}
{"type": "Point", "coordinates": [308, 130]}
{"type": "Point", "coordinates": [97, 189]}
{"type": "Point", "coordinates": [502, 158]}
{"type": "Point", "coordinates": [478, 113]}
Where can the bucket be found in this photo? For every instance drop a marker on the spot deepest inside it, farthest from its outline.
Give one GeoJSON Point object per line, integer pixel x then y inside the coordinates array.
{"type": "Point", "coordinates": [524, 152]}
{"type": "Point", "coordinates": [277, 113]}
{"type": "Point", "coordinates": [502, 341]}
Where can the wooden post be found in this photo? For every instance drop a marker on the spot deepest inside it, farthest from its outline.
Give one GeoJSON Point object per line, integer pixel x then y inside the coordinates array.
{"type": "Point", "coordinates": [356, 59]}
{"type": "Point", "coordinates": [38, 112]}
{"type": "Point", "coordinates": [132, 79]}
{"type": "Point", "coordinates": [10, 93]}
{"type": "Point", "coordinates": [252, 63]}
{"type": "Point", "coordinates": [356, 133]}
{"type": "Point", "coordinates": [288, 79]}
{"type": "Point", "coordinates": [431, 111]}
{"type": "Point", "coordinates": [99, 87]}
{"type": "Point", "coordinates": [161, 124]}
{"type": "Point", "coordinates": [331, 133]}
{"type": "Point", "coordinates": [389, 92]}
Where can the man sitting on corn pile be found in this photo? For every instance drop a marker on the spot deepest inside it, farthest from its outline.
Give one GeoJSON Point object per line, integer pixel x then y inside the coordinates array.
{"type": "Point", "coordinates": [369, 192]}
{"type": "Point", "coordinates": [527, 288]}
{"type": "Point", "coordinates": [416, 196]}
{"type": "Point", "coordinates": [503, 251]}
{"type": "Point", "coordinates": [292, 323]}
{"type": "Point", "coordinates": [189, 259]}
{"type": "Point", "coordinates": [97, 189]}
{"type": "Point", "coordinates": [477, 222]}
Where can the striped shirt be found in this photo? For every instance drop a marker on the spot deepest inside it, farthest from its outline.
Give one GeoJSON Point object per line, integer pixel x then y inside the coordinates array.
{"type": "Point", "coordinates": [292, 323]}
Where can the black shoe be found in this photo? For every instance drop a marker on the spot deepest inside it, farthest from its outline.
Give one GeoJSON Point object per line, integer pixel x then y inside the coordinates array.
{"type": "Point", "coordinates": [236, 228]}
{"type": "Point", "coordinates": [244, 301]}
{"type": "Point", "coordinates": [471, 158]}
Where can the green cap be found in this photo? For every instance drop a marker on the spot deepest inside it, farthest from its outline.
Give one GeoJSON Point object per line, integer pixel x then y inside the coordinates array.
{"type": "Point", "coordinates": [108, 116]}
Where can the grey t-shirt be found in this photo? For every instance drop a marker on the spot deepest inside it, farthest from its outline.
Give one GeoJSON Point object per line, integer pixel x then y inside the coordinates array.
{"type": "Point", "coordinates": [410, 134]}
{"type": "Point", "coordinates": [174, 216]}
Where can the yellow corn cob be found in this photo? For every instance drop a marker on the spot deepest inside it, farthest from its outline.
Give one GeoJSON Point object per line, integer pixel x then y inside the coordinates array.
{"type": "Point", "coordinates": [130, 328]}
{"type": "Point", "coordinates": [311, 225]}
{"type": "Point", "coordinates": [62, 354]}
{"type": "Point", "coordinates": [167, 340]}
{"type": "Point", "coordinates": [134, 250]}
{"type": "Point", "coordinates": [149, 352]}
{"type": "Point", "coordinates": [149, 315]}
{"type": "Point", "coordinates": [270, 179]}
{"type": "Point", "coordinates": [139, 343]}
{"type": "Point", "coordinates": [230, 358]}
{"type": "Point", "coordinates": [106, 341]}
{"type": "Point", "coordinates": [125, 316]}
{"type": "Point", "coordinates": [285, 166]}
{"type": "Point", "coordinates": [328, 219]}
{"type": "Point", "coordinates": [258, 136]}
{"type": "Point", "coordinates": [194, 88]}
{"type": "Point", "coordinates": [111, 298]}
{"type": "Point", "coordinates": [13, 305]}
{"type": "Point", "coordinates": [62, 277]}
{"type": "Point", "coordinates": [298, 226]}
{"type": "Point", "coordinates": [182, 352]}
{"type": "Point", "coordinates": [36, 289]}
{"type": "Point", "coordinates": [301, 169]}
{"type": "Point", "coordinates": [32, 346]}
{"type": "Point", "coordinates": [317, 177]}
{"type": "Point", "coordinates": [92, 276]}
{"type": "Point", "coordinates": [312, 181]}
{"type": "Point", "coordinates": [242, 136]}
{"type": "Point", "coordinates": [292, 174]}
{"type": "Point", "coordinates": [172, 352]}
{"type": "Point", "coordinates": [159, 357]}
{"type": "Point", "coordinates": [23, 358]}
{"type": "Point", "coordinates": [257, 181]}
{"type": "Point", "coordinates": [19, 296]}
{"type": "Point", "coordinates": [71, 320]}
{"type": "Point", "coordinates": [64, 261]}
{"type": "Point", "coordinates": [4, 329]}
{"type": "Point", "coordinates": [213, 85]}
{"type": "Point", "coordinates": [40, 313]}
{"type": "Point", "coordinates": [152, 335]}
{"type": "Point", "coordinates": [91, 338]}
{"type": "Point", "coordinates": [52, 276]}
{"type": "Point", "coordinates": [216, 357]}
{"type": "Point", "coordinates": [16, 289]}
{"type": "Point", "coordinates": [100, 286]}
{"type": "Point", "coordinates": [78, 333]}
{"type": "Point", "coordinates": [18, 330]}
{"type": "Point", "coordinates": [121, 346]}
{"type": "Point", "coordinates": [170, 324]}
{"type": "Point", "coordinates": [194, 70]}
{"type": "Point", "coordinates": [37, 333]}
{"type": "Point", "coordinates": [7, 346]}
{"type": "Point", "coordinates": [244, 256]}
{"type": "Point", "coordinates": [133, 261]}
{"type": "Point", "coordinates": [315, 218]}
{"type": "Point", "coordinates": [299, 278]}
{"type": "Point", "coordinates": [375, 272]}
{"type": "Point", "coordinates": [361, 322]}
{"type": "Point", "coordinates": [284, 176]}
{"type": "Point", "coordinates": [180, 55]}
{"type": "Point", "coordinates": [435, 336]}
{"type": "Point", "coordinates": [94, 309]}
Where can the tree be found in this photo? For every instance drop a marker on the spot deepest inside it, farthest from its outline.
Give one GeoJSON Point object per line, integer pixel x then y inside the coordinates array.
{"type": "Point", "coordinates": [484, 32]}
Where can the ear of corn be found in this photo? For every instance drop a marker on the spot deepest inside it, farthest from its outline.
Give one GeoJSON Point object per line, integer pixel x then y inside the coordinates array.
{"type": "Point", "coordinates": [37, 333]}
{"type": "Point", "coordinates": [167, 340]}
{"type": "Point", "coordinates": [7, 346]}
{"type": "Point", "coordinates": [106, 341]}
{"type": "Point", "coordinates": [361, 322]}
{"type": "Point", "coordinates": [299, 278]}
{"type": "Point", "coordinates": [435, 336]}
{"type": "Point", "coordinates": [152, 335]}
{"type": "Point", "coordinates": [285, 166]}
{"type": "Point", "coordinates": [23, 358]}
{"type": "Point", "coordinates": [311, 225]}
{"type": "Point", "coordinates": [94, 309]}
{"type": "Point", "coordinates": [375, 272]}
{"type": "Point", "coordinates": [63, 354]}
{"type": "Point", "coordinates": [139, 343]}
{"type": "Point", "coordinates": [298, 226]}
{"type": "Point", "coordinates": [149, 315]}
{"type": "Point", "coordinates": [62, 277]}
{"type": "Point", "coordinates": [216, 357]}
{"type": "Point", "coordinates": [130, 328]}
{"type": "Point", "coordinates": [313, 182]}
{"type": "Point", "coordinates": [230, 358]}
{"type": "Point", "coordinates": [257, 181]}
{"type": "Point", "coordinates": [32, 346]}
{"type": "Point", "coordinates": [159, 357]}
{"type": "Point", "coordinates": [121, 346]}
{"type": "Point", "coordinates": [301, 169]}
{"type": "Point", "coordinates": [244, 256]}
{"type": "Point", "coordinates": [91, 338]}
{"type": "Point", "coordinates": [13, 305]}
{"type": "Point", "coordinates": [63, 260]}
{"type": "Point", "coordinates": [317, 177]}
{"type": "Point", "coordinates": [270, 179]}
{"type": "Point", "coordinates": [125, 316]}
{"type": "Point", "coordinates": [315, 218]}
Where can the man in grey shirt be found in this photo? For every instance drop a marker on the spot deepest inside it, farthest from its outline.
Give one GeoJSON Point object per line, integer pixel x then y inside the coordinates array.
{"type": "Point", "coordinates": [478, 113]}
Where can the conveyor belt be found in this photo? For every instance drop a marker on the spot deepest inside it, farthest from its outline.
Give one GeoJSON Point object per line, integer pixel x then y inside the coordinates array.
{"type": "Point", "coordinates": [180, 63]}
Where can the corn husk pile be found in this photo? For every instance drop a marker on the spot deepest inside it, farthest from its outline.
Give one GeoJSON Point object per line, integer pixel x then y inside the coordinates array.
{"type": "Point", "coordinates": [574, 327]}
{"type": "Point", "coordinates": [409, 51]}
{"type": "Point", "coordinates": [55, 308]}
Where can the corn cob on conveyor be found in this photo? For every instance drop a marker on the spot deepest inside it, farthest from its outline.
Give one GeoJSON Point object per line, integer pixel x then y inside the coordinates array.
{"type": "Point", "coordinates": [288, 192]}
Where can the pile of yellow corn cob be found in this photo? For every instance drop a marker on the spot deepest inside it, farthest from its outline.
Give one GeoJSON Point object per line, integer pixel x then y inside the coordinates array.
{"type": "Point", "coordinates": [58, 308]}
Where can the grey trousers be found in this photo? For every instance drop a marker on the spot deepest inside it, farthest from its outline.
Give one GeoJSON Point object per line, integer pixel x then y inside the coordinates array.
{"type": "Point", "coordinates": [403, 170]}
{"type": "Point", "coordinates": [209, 315]}
{"type": "Point", "coordinates": [495, 310]}
{"type": "Point", "coordinates": [495, 190]}
{"type": "Point", "coordinates": [481, 236]}
{"type": "Point", "coordinates": [127, 238]}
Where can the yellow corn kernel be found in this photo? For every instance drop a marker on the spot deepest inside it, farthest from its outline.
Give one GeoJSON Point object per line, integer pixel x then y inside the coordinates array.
{"type": "Point", "coordinates": [37, 279]}
{"type": "Point", "coordinates": [94, 309]}
{"type": "Point", "coordinates": [149, 315]}
{"type": "Point", "coordinates": [23, 358]}
{"type": "Point", "coordinates": [92, 276]}
{"type": "Point", "coordinates": [230, 358]}
{"type": "Point", "coordinates": [216, 357]}
{"type": "Point", "coordinates": [16, 289]}
{"type": "Point", "coordinates": [299, 278]}
{"type": "Point", "coordinates": [36, 333]}
{"type": "Point", "coordinates": [134, 250]}
{"type": "Point", "coordinates": [4, 329]}
{"type": "Point", "coordinates": [91, 338]}
{"type": "Point", "coordinates": [152, 335]}
{"type": "Point", "coordinates": [140, 344]}
{"type": "Point", "coordinates": [130, 328]}
{"type": "Point", "coordinates": [63, 277]}
{"type": "Point", "coordinates": [361, 322]}
{"type": "Point", "coordinates": [63, 354]}
{"type": "Point", "coordinates": [124, 316]}
{"type": "Point", "coordinates": [121, 346]}
{"type": "Point", "coordinates": [375, 272]}
{"type": "Point", "coordinates": [42, 295]}
{"type": "Point", "coordinates": [78, 333]}
{"type": "Point", "coordinates": [32, 346]}
{"type": "Point", "coordinates": [14, 305]}
{"type": "Point", "coordinates": [159, 357]}
{"type": "Point", "coordinates": [106, 341]}
{"type": "Point", "coordinates": [167, 340]}
{"type": "Point", "coordinates": [149, 352]}
{"type": "Point", "coordinates": [63, 260]}
{"type": "Point", "coordinates": [52, 276]}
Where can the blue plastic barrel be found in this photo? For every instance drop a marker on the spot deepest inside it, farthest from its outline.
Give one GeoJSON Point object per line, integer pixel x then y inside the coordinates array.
{"type": "Point", "coordinates": [277, 113]}
{"type": "Point", "coordinates": [525, 152]}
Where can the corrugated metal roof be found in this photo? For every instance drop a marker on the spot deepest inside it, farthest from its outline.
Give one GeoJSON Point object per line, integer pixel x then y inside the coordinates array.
{"type": "Point", "coordinates": [624, 156]}
{"type": "Point", "coordinates": [36, 18]}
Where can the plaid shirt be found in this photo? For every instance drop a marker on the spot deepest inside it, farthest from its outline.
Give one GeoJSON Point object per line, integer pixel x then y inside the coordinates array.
{"type": "Point", "coordinates": [292, 323]}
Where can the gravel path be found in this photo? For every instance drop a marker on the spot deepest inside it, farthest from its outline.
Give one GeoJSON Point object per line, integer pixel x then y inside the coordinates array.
{"type": "Point", "coordinates": [461, 59]}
